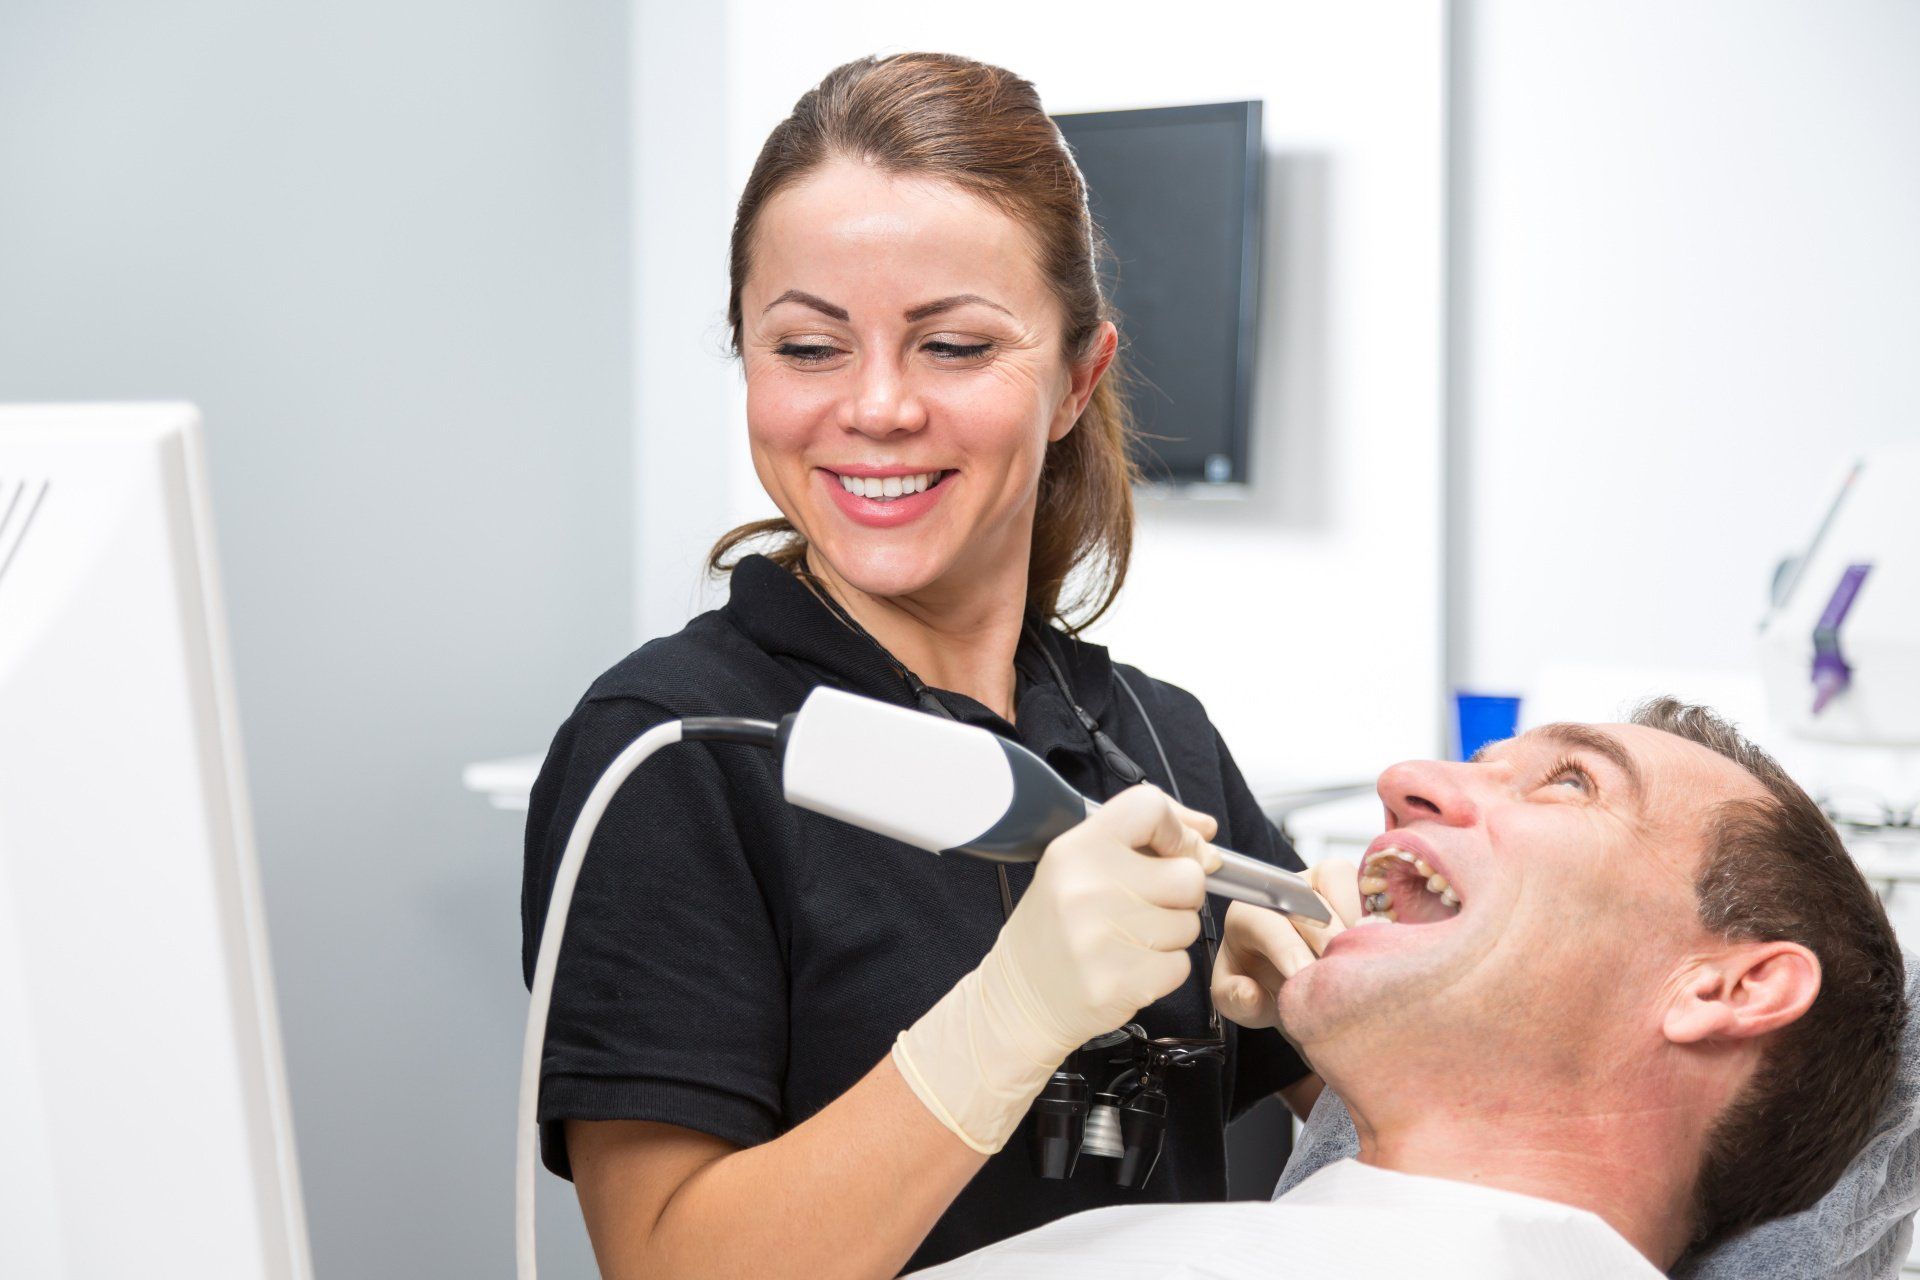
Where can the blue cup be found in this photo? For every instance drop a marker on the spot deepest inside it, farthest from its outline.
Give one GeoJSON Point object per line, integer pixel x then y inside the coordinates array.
{"type": "Point", "coordinates": [1480, 718]}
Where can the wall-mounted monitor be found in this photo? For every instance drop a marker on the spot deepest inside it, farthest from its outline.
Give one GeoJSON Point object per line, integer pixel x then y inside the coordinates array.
{"type": "Point", "coordinates": [1176, 191]}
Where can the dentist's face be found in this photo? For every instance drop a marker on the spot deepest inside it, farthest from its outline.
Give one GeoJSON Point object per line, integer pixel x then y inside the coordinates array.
{"type": "Point", "coordinates": [1573, 852]}
{"type": "Point", "coordinates": [905, 373]}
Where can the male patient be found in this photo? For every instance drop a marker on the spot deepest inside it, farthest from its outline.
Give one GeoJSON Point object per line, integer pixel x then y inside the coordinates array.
{"type": "Point", "coordinates": [1665, 1007]}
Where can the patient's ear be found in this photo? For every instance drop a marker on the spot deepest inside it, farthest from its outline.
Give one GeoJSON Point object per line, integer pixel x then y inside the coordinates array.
{"type": "Point", "coordinates": [1747, 989]}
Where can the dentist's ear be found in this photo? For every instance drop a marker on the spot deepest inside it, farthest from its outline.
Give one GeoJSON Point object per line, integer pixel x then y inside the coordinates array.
{"type": "Point", "coordinates": [1746, 990]}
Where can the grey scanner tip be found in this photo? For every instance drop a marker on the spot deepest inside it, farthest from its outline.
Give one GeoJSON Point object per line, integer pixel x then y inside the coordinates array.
{"type": "Point", "coordinates": [1303, 904]}
{"type": "Point", "coordinates": [1313, 911]}
{"type": "Point", "coordinates": [1263, 884]}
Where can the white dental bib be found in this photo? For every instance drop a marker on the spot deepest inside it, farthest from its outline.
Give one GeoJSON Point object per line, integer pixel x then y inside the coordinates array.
{"type": "Point", "coordinates": [1347, 1222]}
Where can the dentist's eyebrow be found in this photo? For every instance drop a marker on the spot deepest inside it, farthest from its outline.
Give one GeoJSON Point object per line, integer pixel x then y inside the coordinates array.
{"type": "Point", "coordinates": [821, 305]}
{"type": "Point", "coordinates": [926, 309]}
{"type": "Point", "coordinates": [1586, 738]}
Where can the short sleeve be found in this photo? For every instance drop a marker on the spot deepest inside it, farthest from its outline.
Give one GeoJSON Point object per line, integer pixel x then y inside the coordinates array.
{"type": "Point", "coordinates": [1264, 1062]}
{"type": "Point", "coordinates": [669, 1002]}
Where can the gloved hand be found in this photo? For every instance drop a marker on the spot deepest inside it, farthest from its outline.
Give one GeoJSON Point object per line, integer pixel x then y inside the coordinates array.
{"type": "Point", "coordinates": [1101, 933]}
{"type": "Point", "coordinates": [1260, 949]}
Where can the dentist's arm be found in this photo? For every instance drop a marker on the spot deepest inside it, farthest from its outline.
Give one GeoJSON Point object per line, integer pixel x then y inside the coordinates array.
{"type": "Point", "coordinates": [851, 1192]}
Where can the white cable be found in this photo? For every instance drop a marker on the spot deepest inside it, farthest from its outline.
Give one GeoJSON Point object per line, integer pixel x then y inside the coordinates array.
{"type": "Point", "coordinates": [528, 1148]}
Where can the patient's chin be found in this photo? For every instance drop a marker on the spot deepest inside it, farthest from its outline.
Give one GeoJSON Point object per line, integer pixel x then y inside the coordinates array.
{"type": "Point", "coordinates": [1324, 999]}
{"type": "Point", "coordinates": [1339, 995]}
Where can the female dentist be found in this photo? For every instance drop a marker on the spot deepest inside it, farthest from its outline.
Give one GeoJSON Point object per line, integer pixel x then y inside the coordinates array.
{"type": "Point", "coordinates": [932, 408]}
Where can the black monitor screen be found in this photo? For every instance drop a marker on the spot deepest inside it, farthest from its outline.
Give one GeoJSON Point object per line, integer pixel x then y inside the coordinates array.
{"type": "Point", "coordinates": [1176, 191]}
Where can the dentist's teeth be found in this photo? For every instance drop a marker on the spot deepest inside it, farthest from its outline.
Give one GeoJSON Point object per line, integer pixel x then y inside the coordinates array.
{"type": "Point", "coordinates": [889, 487]}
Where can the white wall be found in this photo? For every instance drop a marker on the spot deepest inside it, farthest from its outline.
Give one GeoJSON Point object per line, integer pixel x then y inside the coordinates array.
{"type": "Point", "coordinates": [1308, 615]}
{"type": "Point", "coordinates": [1691, 259]}
{"type": "Point", "coordinates": [684, 382]}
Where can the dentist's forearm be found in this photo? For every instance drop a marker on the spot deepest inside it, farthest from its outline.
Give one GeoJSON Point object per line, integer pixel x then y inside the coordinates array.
{"type": "Point", "coordinates": [847, 1195]}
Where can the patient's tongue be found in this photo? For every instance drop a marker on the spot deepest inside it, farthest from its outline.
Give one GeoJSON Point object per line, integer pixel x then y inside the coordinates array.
{"type": "Point", "coordinates": [1417, 893]}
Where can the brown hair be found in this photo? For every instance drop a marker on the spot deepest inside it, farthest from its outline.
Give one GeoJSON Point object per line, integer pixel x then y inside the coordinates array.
{"type": "Point", "coordinates": [1776, 871]}
{"type": "Point", "coordinates": [983, 129]}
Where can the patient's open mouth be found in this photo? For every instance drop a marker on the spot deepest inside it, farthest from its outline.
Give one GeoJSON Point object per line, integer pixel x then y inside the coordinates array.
{"type": "Point", "coordinates": [1397, 887]}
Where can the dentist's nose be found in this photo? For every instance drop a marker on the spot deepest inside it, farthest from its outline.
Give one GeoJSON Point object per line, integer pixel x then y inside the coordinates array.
{"type": "Point", "coordinates": [883, 404]}
{"type": "Point", "coordinates": [1431, 790]}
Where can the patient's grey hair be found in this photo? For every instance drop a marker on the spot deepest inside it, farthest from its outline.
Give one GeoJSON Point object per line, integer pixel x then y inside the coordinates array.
{"type": "Point", "coordinates": [1775, 870]}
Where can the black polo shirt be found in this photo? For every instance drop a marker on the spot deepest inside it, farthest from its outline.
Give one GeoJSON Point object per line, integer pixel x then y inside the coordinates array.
{"type": "Point", "coordinates": [733, 964]}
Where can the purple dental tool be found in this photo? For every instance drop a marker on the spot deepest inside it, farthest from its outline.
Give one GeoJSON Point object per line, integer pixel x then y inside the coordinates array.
{"type": "Point", "coordinates": [1831, 673]}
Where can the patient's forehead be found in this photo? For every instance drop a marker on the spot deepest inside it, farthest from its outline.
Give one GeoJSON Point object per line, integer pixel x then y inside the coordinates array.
{"type": "Point", "coordinates": [1675, 763]}
{"type": "Point", "coordinates": [1685, 785]}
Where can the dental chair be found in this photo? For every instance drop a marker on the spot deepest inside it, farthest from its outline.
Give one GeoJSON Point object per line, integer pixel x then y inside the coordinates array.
{"type": "Point", "coordinates": [1861, 1230]}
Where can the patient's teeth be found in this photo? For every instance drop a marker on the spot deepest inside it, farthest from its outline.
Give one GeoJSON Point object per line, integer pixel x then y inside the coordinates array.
{"type": "Point", "coordinates": [1372, 919]}
{"type": "Point", "coordinates": [1420, 865]}
{"type": "Point", "coordinates": [1379, 902]}
{"type": "Point", "coordinates": [1449, 897]}
{"type": "Point", "coordinates": [1437, 883]}
{"type": "Point", "coordinates": [1373, 884]}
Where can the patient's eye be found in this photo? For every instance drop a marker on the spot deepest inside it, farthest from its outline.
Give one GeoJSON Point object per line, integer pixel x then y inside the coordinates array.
{"type": "Point", "coordinates": [1570, 773]}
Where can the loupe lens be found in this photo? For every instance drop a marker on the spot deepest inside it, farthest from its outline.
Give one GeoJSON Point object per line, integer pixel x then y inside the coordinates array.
{"type": "Point", "coordinates": [1143, 1131]}
{"type": "Point", "coordinates": [1059, 1120]}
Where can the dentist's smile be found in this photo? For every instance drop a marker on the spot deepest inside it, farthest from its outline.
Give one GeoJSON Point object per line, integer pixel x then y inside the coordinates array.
{"type": "Point", "coordinates": [885, 497]}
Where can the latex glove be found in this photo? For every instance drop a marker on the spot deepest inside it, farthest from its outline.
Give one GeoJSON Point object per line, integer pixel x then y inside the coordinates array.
{"type": "Point", "coordinates": [1260, 949]}
{"type": "Point", "coordinates": [1100, 934]}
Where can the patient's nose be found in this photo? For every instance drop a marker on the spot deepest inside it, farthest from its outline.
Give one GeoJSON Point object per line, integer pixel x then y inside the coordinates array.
{"type": "Point", "coordinates": [1427, 790]}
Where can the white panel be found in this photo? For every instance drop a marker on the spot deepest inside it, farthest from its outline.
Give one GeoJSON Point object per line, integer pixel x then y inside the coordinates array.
{"type": "Point", "coordinates": [152, 1068]}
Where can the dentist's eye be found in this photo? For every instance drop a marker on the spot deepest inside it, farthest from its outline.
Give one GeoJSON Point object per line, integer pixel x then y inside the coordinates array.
{"type": "Point", "coordinates": [806, 352]}
{"type": "Point", "coordinates": [958, 351]}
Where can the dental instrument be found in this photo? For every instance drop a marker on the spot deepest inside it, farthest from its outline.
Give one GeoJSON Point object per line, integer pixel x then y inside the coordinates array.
{"type": "Point", "coordinates": [1840, 646]}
